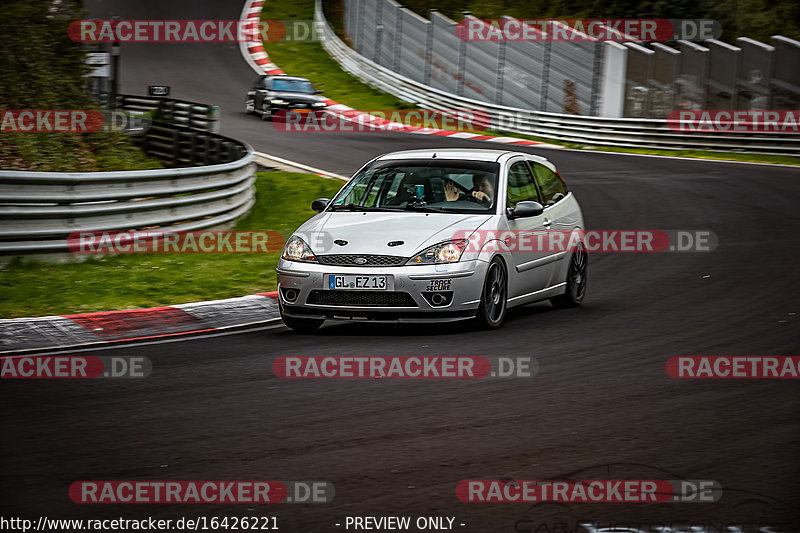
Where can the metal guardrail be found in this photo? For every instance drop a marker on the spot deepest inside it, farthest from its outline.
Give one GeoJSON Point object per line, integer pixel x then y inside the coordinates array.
{"type": "Point", "coordinates": [179, 146]}
{"type": "Point", "coordinates": [587, 130]}
{"type": "Point", "coordinates": [39, 210]}
{"type": "Point", "coordinates": [168, 110]}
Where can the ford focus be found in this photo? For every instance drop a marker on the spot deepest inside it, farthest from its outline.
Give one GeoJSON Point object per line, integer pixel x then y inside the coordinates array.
{"type": "Point", "coordinates": [435, 235]}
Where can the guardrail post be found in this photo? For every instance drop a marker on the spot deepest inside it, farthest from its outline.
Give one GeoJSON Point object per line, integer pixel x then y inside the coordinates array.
{"type": "Point", "coordinates": [545, 71]}
{"type": "Point", "coordinates": [206, 149]}
{"type": "Point", "coordinates": [193, 148]}
{"type": "Point", "coordinates": [462, 59]}
{"type": "Point", "coordinates": [359, 25]}
{"type": "Point", "coordinates": [217, 151]}
{"type": "Point", "coordinates": [145, 143]}
{"type": "Point", "coordinates": [378, 30]}
{"type": "Point", "coordinates": [597, 69]}
{"type": "Point", "coordinates": [501, 66]}
{"type": "Point", "coordinates": [398, 38]}
{"type": "Point", "coordinates": [176, 150]}
{"type": "Point", "coordinates": [426, 76]}
{"type": "Point", "coordinates": [213, 119]}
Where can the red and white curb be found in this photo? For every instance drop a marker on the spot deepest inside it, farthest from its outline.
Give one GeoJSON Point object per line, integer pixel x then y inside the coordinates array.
{"type": "Point", "coordinates": [255, 55]}
{"type": "Point", "coordinates": [50, 332]}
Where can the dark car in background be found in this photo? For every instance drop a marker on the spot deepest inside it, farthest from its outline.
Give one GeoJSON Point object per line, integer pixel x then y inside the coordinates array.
{"type": "Point", "coordinates": [271, 94]}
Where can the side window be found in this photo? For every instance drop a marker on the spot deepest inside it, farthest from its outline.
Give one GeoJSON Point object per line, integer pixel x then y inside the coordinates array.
{"type": "Point", "coordinates": [520, 184]}
{"type": "Point", "coordinates": [552, 187]}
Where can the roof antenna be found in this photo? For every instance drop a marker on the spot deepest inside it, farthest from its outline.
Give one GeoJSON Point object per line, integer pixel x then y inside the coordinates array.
{"type": "Point", "coordinates": [434, 155]}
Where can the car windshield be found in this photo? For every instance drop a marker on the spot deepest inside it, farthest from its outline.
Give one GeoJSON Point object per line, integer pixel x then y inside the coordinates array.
{"type": "Point", "coordinates": [293, 86]}
{"type": "Point", "coordinates": [432, 185]}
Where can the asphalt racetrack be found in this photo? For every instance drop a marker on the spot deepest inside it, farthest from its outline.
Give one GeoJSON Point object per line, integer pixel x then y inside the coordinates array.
{"type": "Point", "coordinates": [602, 405]}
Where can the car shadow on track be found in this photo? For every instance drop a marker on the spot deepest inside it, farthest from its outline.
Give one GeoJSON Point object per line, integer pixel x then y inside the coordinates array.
{"type": "Point", "coordinates": [514, 318]}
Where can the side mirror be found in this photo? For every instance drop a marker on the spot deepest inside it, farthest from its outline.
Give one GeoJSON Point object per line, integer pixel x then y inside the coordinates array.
{"type": "Point", "coordinates": [525, 209]}
{"type": "Point", "coordinates": [320, 204]}
{"type": "Point", "coordinates": [317, 91]}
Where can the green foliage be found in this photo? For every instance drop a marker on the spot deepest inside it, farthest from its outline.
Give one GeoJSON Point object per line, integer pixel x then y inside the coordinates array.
{"type": "Point", "coordinates": [42, 68]}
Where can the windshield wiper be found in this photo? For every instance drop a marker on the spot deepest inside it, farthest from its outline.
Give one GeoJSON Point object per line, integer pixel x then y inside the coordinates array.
{"type": "Point", "coordinates": [354, 207]}
{"type": "Point", "coordinates": [426, 208]}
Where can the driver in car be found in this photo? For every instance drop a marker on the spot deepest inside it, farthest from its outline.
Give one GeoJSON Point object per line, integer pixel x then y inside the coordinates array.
{"type": "Point", "coordinates": [482, 189]}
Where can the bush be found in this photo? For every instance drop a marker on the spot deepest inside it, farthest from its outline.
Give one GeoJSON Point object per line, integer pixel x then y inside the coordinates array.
{"type": "Point", "coordinates": [42, 68]}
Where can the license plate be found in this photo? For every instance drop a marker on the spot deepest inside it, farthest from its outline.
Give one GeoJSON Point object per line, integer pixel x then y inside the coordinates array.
{"type": "Point", "coordinates": [374, 283]}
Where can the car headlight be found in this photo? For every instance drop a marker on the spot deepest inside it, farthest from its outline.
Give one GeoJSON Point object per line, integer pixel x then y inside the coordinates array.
{"type": "Point", "coordinates": [297, 250]}
{"type": "Point", "coordinates": [319, 104]}
{"type": "Point", "coordinates": [278, 102]}
{"type": "Point", "coordinates": [444, 252]}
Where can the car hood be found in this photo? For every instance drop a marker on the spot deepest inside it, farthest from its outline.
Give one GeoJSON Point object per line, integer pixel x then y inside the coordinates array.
{"type": "Point", "coordinates": [371, 233]}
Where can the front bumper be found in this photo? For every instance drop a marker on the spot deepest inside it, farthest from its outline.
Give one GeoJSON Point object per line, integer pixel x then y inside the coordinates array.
{"type": "Point", "coordinates": [413, 289]}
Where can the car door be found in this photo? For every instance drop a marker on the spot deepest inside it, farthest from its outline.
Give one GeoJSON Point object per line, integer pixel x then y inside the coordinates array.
{"type": "Point", "coordinates": [560, 214]}
{"type": "Point", "coordinates": [532, 266]}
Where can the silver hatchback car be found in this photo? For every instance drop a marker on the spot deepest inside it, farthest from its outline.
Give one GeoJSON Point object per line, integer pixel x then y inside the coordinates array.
{"type": "Point", "coordinates": [435, 235]}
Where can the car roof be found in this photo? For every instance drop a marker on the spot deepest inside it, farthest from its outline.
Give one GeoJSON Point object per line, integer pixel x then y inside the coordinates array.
{"type": "Point", "coordinates": [468, 154]}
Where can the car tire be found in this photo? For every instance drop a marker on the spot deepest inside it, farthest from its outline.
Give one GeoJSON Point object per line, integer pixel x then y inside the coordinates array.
{"type": "Point", "coordinates": [249, 106]}
{"type": "Point", "coordinates": [266, 112]}
{"type": "Point", "coordinates": [576, 281]}
{"type": "Point", "coordinates": [301, 325]}
{"type": "Point", "coordinates": [494, 296]}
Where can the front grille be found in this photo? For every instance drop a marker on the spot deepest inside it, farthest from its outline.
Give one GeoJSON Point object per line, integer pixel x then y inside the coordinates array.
{"type": "Point", "coordinates": [355, 260]}
{"type": "Point", "coordinates": [361, 298]}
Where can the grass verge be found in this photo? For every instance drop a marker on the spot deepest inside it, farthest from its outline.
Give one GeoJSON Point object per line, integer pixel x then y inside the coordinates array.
{"type": "Point", "coordinates": [309, 59]}
{"type": "Point", "coordinates": [103, 283]}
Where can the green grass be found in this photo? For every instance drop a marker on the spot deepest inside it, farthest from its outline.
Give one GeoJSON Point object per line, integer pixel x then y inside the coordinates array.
{"type": "Point", "coordinates": [131, 281]}
{"type": "Point", "coordinates": [42, 68]}
{"type": "Point", "coordinates": [310, 60]}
